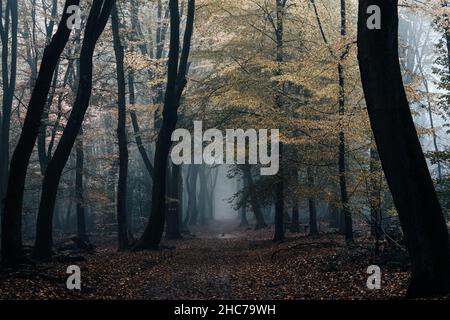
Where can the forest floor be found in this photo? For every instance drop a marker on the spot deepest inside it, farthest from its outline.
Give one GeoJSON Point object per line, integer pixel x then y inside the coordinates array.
{"type": "Point", "coordinates": [225, 263]}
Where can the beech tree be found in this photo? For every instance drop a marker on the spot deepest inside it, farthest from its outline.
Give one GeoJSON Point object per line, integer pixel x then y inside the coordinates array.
{"type": "Point", "coordinates": [176, 82]}
{"type": "Point", "coordinates": [121, 134]}
{"type": "Point", "coordinates": [12, 217]}
{"type": "Point", "coordinates": [96, 22]}
{"type": "Point", "coordinates": [400, 151]}
{"type": "Point", "coordinates": [8, 38]}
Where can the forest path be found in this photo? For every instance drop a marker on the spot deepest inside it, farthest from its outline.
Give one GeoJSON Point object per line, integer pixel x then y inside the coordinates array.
{"type": "Point", "coordinates": [220, 262]}
{"type": "Point", "coordinates": [227, 262]}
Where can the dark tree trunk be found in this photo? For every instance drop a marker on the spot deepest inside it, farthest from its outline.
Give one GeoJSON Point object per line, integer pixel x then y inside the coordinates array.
{"type": "Point", "coordinates": [193, 201]}
{"type": "Point", "coordinates": [401, 154]}
{"type": "Point", "coordinates": [313, 229]}
{"type": "Point", "coordinates": [122, 214]}
{"type": "Point", "coordinates": [244, 220]}
{"type": "Point", "coordinates": [279, 186]}
{"type": "Point", "coordinates": [98, 17]}
{"type": "Point", "coordinates": [348, 224]}
{"type": "Point", "coordinates": [192, 208]}
{"type": "Point", "coordinates": [203, 196]}
{"type": "Point", "coordinates": [81, 219]}
{"type": "Point", "coordinates": [375, 197]}
{"type": "Point", "coordinates": [9, 73]}
{"type": "Point", "coordinates": [12, 222]}
{"type": "Point", "coordinates": [259, 217]}
{"type": "Point", "coordinates": [136, 129]}
{"type": "Point", "coordinates": [243, 213]}
{"type": "Point", "coordinates": [42, 136]}
{"type": "Point", "coordinates": [176, 82]}
{"type": "Point", "coordinates": [295, 223]}
{"type": "Point", "coordinates": [175, 205]}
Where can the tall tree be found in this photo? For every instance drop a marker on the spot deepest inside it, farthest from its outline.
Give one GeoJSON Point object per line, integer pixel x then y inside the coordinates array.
{"type": "Point", "coordinates": [279, 187]}
{"type": "Point", "coordinates": [121, 134]}
{"type": "Point", "coordinates": [174, 210]}
{"type": "Point", "coordinates": [9, 74]}
{"type": "Point", "coordinates": [313, 229]}
{"type": "Point", "coordinates": [192, 206]}
{"type": "Point", "coordinates": [98, 17]}
{"type": "Point", "coordinates": [79, 189]}
{"type": "Point", "coordinates": [248, 178]}
{"type": "Point", "coordinates": [400, 151]}
{"type": "Point", "coordinates": [42, 137]}
{"type": "Point", "coordinates": [12, 220]}
{"type": "Point", "coordinates": [176, 82]}
{"type": "Point", "coordinates": [342, 146]}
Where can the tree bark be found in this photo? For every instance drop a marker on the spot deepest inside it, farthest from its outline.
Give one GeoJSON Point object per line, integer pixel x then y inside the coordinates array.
{"type": "Point", "coordinates": [9, 74]}
{"type": "Point", "coordinates": [122, 189]}
{"type": "Point", "coordinates": [79, 189]}
{"type": "Point", "coordinates": [279, 186]}
{"type": "Point", "coordinates": [313, 229]}
{"type": "Point", "coordinates": [98, 17]}
{"type": "Point", "coordinates": [192, 208]}
{"type": "Point", "coordinates": [348, 224]}
{"type": "Point", "coordinates": [12, 220]}
{"type": "Point", "coordinates": [176, 82]}
{"type": "Point", "coordinates": [175, 205]}
{"type": "Point", "coordinates": [259, 217]}
{"type": "Point", "coordinates": [401, 154]}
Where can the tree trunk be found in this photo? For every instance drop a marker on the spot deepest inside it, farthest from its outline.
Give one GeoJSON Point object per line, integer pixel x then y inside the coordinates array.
{"type": "Point", "coordinates": [136, 129]}
{"type": "Point", "coordinates": [375, 197]}
{"type": "Point", "coordinates": [244, 221]}
{"type": "Point", "coordinates": [175, 205]}
{"type": "Point", "coordinates": [192, 209]}
{"type": "Point", "coordinates": [279, 186]}
{"type": "Point", "coordinates": [98, 17]}
{"type": "Point", "coordinates": [9, 73]}
{"type": "Point", "coordinates": [295, 223]}
{"type": "Point", "coordinates": [81, 219]}
{"type": "Point", "coordinates": [122, 214]}
{"type": "Point", "coordinates": [12, 220]}
{"type": "Point", "coordinates": [203, 196]}
{"type": "Point", "coordinates": [313, 229]}
{"type": "Point", "coordinates": [176, 82]}
{"type": "Point", "coordinates": [259, 217]}
{"type": "Point", "coordinates": [193, 201]}
{"type": "Point", "coordinates": [401, 154]}
{"type": "Point", "coordinates": [348, 224]}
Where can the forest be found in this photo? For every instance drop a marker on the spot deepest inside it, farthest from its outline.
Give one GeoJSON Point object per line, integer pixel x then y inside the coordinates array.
{"type": "Point", "coordinates": [225, 150]}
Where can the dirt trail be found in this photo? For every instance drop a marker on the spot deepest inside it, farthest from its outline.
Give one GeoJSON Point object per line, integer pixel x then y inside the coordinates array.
{"type": "Point", "coordinates": [223, 262]}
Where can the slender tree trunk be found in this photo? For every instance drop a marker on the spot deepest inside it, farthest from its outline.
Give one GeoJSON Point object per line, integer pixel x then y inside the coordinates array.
{"type": "Point", "coordinates": [12, 221]}
{"type": "Point", "coordinates": [203, 196]}
{"type": "Point", "coordinates": [244, 220]}
{"type": "Point", "coordinates": [279, 187]}
{"type": "Point", "coordinates": [313, 229]}
{"type": "Point", "coordinates": [193, 201]}
{"type": "Point", "coordinates": [295, 224]}
{"type": "Point", "coordinates": [122, 189]}
{"type": "Point", "coordinates": [348, 224]}
{"type": "Point", "coordinates": [98, 17]}
{"type": "Point", "coordinates": [243, 213]}
{"type": "Point", "coordinates": [79, 189]}
{"type": "Point", "coordinates": [9, 74]}
{"type": "Point", "coordinates": [136, 128]}
{"type": "Point", "coordinates": [42, 136]}
{"type": "Point", "coordinates": [175, 205]}
{"type": "Point", "coordinates": [259, 217]}
{"type": "Point", "coordinates": [401, 154]}
{"type": "Point", "coordinates": [176, 82]}
{"type": "Point", "coordinates": [430, 115]}
{"type": "Point", "coordinates": [375, 196]}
